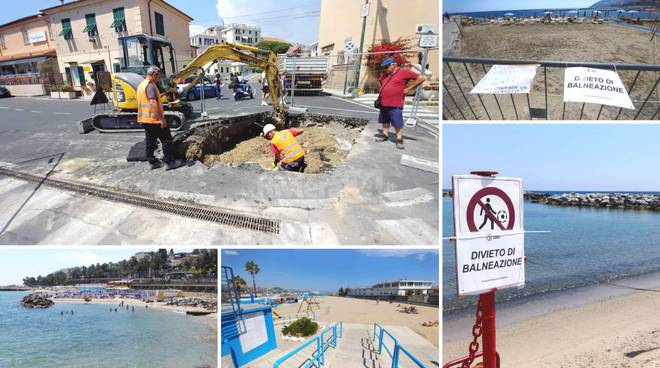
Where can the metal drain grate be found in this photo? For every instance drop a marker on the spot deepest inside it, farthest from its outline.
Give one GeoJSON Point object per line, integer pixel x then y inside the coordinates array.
{"type": "Point", "coordinates": [195, 211]}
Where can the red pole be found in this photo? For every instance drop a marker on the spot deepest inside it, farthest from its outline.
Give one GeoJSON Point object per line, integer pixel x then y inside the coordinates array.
{"type": "Point", "coordinates": [488, 337]}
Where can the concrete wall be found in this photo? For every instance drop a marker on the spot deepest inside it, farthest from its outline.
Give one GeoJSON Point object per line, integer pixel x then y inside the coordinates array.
{"type": "Point", "coordinates": [26, 89]}
{"type": "Point", "coordinates": [176, 30]}
{"type": "Point", "coordinates": [387, 20]}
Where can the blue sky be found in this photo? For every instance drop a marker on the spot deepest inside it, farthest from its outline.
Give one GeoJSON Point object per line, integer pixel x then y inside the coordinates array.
{"type": "Point", "coordinates": [456, 6]}
{"type": "Point", "coordinates": [15, 264]}
{"type": "Point", "coordinates": [558, 156]}
{"type": "Point", "coordinates": [328, 270]}
{"type": "Point", "coordinates": [292, 20]}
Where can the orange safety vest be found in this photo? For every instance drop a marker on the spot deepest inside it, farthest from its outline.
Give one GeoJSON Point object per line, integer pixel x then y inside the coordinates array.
{"type": "Point", "coordinates": [288, 146]}
{"type": "Point", "coordinates": [146, 114]}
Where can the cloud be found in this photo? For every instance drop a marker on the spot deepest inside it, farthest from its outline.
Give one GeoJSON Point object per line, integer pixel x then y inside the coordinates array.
{"type": "Point", "coordinates": [80, 258]}
{"type": "Point", "coordinates": [398, 253]}
{"type": "Point", "coordinates": [196, 29]}
{"type": "Point", "coordinates": [230, 253]}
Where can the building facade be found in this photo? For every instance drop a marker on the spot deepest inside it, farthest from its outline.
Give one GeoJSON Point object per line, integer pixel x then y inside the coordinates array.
{"type": "Point", "coordinates": [241, 33]}
{"type": "Point", "coordinates": [86, 32]}
{"type": "Point", "coordinates": [388, 20]}
{"type": "Point", "coordinates": [393, 289]}
{"type": "Point", "coordinates": [26, 52]}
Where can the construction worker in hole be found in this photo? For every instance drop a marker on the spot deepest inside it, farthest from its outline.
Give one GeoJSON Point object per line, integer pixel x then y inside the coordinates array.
{"type": "Point", "coordinates": [289, 154]}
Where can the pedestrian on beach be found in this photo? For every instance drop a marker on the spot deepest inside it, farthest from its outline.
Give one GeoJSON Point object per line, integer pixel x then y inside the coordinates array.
{"type": "Point", "coordinates": [393, 90]}
{"type": "Point", "coordinates": [133, 309]}
{"type": "Point", "coordinates": [264, 89]}
{"type": "Point", "coordinates": [152, 117]}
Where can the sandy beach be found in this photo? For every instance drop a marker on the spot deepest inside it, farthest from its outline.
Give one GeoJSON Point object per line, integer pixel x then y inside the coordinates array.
{"type": "Point", "coordinates": [600, 43]}
{"type": "Point", "coordinates": [138, 304]}
{"type": "Point", "coordinates": [622, 331]}
{"type": "Point", "coordinates": [350, 310]}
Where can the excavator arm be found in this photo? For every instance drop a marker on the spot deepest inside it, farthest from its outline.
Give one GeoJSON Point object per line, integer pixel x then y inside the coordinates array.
{"type": "Point", "coordinates": [253, 56]}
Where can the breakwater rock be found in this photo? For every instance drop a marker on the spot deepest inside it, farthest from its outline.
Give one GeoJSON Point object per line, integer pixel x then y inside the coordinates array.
{"type": "Point", "coordinates": [37, 301]}
{"type": "Point", "coordinates": [608, 200]}
{"type": "Point", "coordinates": [193, 302]}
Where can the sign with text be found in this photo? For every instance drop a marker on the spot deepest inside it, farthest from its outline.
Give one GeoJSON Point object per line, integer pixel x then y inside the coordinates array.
{"type": "Point", "coordinates": [505, 79]}
{"type": "Point", "coordinates": [37, 37]}
{"type": "Point", "coordinates": [597, 86]}
{"type": "Point", "coordinates": [488, 224]}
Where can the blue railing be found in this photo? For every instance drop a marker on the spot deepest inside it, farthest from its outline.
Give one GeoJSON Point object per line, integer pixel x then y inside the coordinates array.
{"type": "Point", "coordinates": [317, 358]}
{"type": "Point", "coordinates": [395, 352]}
{"type": "Point", "coordinates": [230, 291]}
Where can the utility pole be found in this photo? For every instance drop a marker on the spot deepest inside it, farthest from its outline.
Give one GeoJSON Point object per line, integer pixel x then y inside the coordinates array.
{"type": "Point", "coordinates": [364, 13]}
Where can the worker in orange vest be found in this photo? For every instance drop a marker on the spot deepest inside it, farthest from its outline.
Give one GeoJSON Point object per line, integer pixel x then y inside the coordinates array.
{"type": "Point", "coordinates": [152, 117]}
{"type": "Point", "coordinates": [289, 154]}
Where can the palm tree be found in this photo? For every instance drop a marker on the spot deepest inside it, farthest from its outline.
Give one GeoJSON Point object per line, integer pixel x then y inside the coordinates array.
{"type": "Point", "coordinates": [241, 285]}
{"type": "Point", "coordinates": [253, 269]}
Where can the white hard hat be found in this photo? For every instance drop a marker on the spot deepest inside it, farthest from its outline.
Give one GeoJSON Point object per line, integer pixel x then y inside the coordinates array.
{"type": "Point", "coordinates": [268, 128]}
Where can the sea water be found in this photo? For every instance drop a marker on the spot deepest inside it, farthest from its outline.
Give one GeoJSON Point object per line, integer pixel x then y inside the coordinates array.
{"type": "Point", "coordinates": [95, 337]}
{"type": "Point", "coordinates": [585, 246]}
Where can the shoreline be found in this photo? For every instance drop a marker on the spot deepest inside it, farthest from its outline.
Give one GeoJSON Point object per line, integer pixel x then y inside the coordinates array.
{"type": "Point", "coordinates": [606, 325]}
{"type": "Point", "coordinates": [139, 303]}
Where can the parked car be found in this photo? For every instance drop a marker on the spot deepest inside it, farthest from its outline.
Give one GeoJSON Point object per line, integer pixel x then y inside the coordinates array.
{"type": "Point", "coordinates": [4, 92]}
{"type": "Point", "coordinates": [196, 92]}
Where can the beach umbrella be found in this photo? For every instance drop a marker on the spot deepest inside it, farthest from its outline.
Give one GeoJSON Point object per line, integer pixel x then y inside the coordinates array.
{"type": "Point", "coordinates": [509, 14]}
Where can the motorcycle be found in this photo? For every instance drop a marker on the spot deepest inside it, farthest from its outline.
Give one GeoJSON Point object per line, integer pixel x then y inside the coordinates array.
{"type": "Point", "coordinates": [243, 90]}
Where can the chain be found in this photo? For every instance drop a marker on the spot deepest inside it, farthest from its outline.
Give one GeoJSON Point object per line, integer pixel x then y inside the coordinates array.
{"type": "Point", "coordinates": [476, 334]}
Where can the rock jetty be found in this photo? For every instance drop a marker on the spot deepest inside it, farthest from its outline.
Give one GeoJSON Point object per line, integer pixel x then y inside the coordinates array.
{"type": "Point", "coordinates": [193, 302]}
{"type": "Point", "coordinates": [37, 301]}
{"type": "Point", "coordinates": [607, 200]}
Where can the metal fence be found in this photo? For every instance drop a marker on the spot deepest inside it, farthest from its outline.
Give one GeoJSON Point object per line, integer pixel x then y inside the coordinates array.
{"type": "Point", "coordinates": [545, 100]}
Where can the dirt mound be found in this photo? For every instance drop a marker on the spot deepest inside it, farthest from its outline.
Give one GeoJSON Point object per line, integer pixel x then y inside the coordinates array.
{"type": "Point", "coordinates": [322, 152]}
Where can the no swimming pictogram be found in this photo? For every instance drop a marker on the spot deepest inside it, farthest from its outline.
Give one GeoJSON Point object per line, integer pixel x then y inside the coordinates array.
{"type": "Point", "coordinates": [501, 215]}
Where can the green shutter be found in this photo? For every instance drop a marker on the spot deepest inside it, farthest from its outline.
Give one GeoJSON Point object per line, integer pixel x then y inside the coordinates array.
{"type": "Point", "coordinates": [119, 23]}
{"type": "Point", "coordinates": [66, 29]}
{"type": "Point", "coordinates": [91, 25]}
{"type": "Point", "coordinates": [160, 25]}
{"type": "Point", "coordinates": [81, 75]}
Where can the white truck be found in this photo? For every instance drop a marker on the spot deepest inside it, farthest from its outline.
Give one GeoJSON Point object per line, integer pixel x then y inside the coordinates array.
{"type": "Point", "coordinates": [309, 72]}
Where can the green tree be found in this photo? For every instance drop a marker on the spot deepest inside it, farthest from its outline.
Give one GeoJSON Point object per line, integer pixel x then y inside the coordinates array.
{"type": "Point", "coordinates": [241, 285]}
{"type": "Point", "coordinates": [274, 46]}
{"type": "Point", "coordinates": [253, 269]}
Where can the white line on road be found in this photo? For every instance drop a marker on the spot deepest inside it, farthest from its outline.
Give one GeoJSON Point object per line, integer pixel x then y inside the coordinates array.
{"type": "Point", "coordinates": [4, 108]}
{"type": "Point", "coordinates": [356, 103]}
{"type": "Point", "coordinates": [330, 108]}
{"type": "Point", "coordinates": [19, 109]}
{"type": "Point", "coordinates": [62, 113]}
{"type": "Point", "coordinates": [38, 112]}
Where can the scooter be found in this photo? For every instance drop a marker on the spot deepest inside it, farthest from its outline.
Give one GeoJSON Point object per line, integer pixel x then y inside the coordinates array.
{"type": "Point", "coordinates": [243, 90]}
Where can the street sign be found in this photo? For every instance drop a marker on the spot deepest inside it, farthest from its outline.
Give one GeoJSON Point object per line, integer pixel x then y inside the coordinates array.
{"type": "Point", "coordinates": [364, 11]}
{"type": "Point", "coordinates": [488, 221]}
{"type": "Point", "coordinates": [505, 79]}
{"type": "Point", "coordinates": [349, 46]}
{"type": "Point", "coordinates": [428, 40]}
{"type": "Point", "coordinates": [597, 86]}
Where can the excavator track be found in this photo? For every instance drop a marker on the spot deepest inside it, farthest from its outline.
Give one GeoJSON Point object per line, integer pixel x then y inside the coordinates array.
{"type": "Point", "coordinates": [121, 121]}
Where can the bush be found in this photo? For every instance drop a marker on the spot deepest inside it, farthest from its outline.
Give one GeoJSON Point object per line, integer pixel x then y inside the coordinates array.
{"type": "Point", "coordinates": [301, 327]}
{"type": "Point", "coordinates": [390, 49]}
{"type": "Point", "coordinates": [66, 88]}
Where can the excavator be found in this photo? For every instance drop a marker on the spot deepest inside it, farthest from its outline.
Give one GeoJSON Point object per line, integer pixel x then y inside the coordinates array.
{"type": "Point", "coordinates": [141, 51]}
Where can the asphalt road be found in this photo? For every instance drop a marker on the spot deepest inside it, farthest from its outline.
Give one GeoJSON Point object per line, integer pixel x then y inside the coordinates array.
{"type": "Point", "coordinates": [370, 199]}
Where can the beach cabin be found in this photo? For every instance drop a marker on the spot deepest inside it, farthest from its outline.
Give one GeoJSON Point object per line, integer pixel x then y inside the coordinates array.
{"type": "Point", "coordinates": [247, 329]}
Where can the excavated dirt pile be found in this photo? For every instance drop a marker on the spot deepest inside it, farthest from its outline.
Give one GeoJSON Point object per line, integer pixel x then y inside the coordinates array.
{"type": "Point", "coordinates": [326, 141]}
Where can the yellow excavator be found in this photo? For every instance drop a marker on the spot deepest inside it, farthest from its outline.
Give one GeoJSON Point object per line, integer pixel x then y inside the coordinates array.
{"type": "Point", "coordinates": [141, 51]}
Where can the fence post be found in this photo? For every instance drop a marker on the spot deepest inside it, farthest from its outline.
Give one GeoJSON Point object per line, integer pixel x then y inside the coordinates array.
{"type": "Point", "coordinates": [395, 355]}
{"type": "Point", "coordinates": [293, 81]}
{"type": "Point", "coordinates": [412, 120]}
{"type": "Point", "coordinates": [380, 341]}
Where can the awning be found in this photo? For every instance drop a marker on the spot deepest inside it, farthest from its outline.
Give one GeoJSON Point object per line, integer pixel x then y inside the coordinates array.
{"type": "Point", "coordinates": [90, 61]}
{"type": "Point", "coordinates": [23, 61]}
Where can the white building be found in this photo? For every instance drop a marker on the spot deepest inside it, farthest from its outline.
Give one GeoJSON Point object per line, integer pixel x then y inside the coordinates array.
{"type": "Point", "coordinates": [394, 289]}
{"type": "Point", "coordinates": [241, 33]}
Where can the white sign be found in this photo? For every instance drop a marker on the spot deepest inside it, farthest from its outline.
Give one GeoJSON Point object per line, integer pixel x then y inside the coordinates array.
{"type": "Point", "coordinates": [37, 37]}
{"type": "Point", "coordinates": [505, 79]}
{"type": "Point", "coordinates": [597, 86]}
{"type": "Point", "coordinates": [255, 333]}
{"type": "Point", "coordinates": [364, 12]}
{"type": "Point", "coordinates": [488, 221]}
{"type": "Point", "coordinates": [428, 40]}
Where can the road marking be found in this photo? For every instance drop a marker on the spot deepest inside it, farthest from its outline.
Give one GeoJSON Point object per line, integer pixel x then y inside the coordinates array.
{"type": "Point", "coordinates": [407, 197]}
{"type": "Point", "coordinates": [214, 108]}
{"type": "Point", "coordinates": [37, 112]}
{"type": "Point", "coordinates": [4, 108]}
{"type": "Point", "coordinates": [62, 113]}
{"type": "Point", "coordinates": [356, 103]}
{"type": "Point", "coordinates": [330, 108]}
{"type": "Point", "coordinates": [419, 163]}
{"type": "Point", "coordinates": [236, 103]}
{"type": "Point", "coordinates": [19, 109]}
